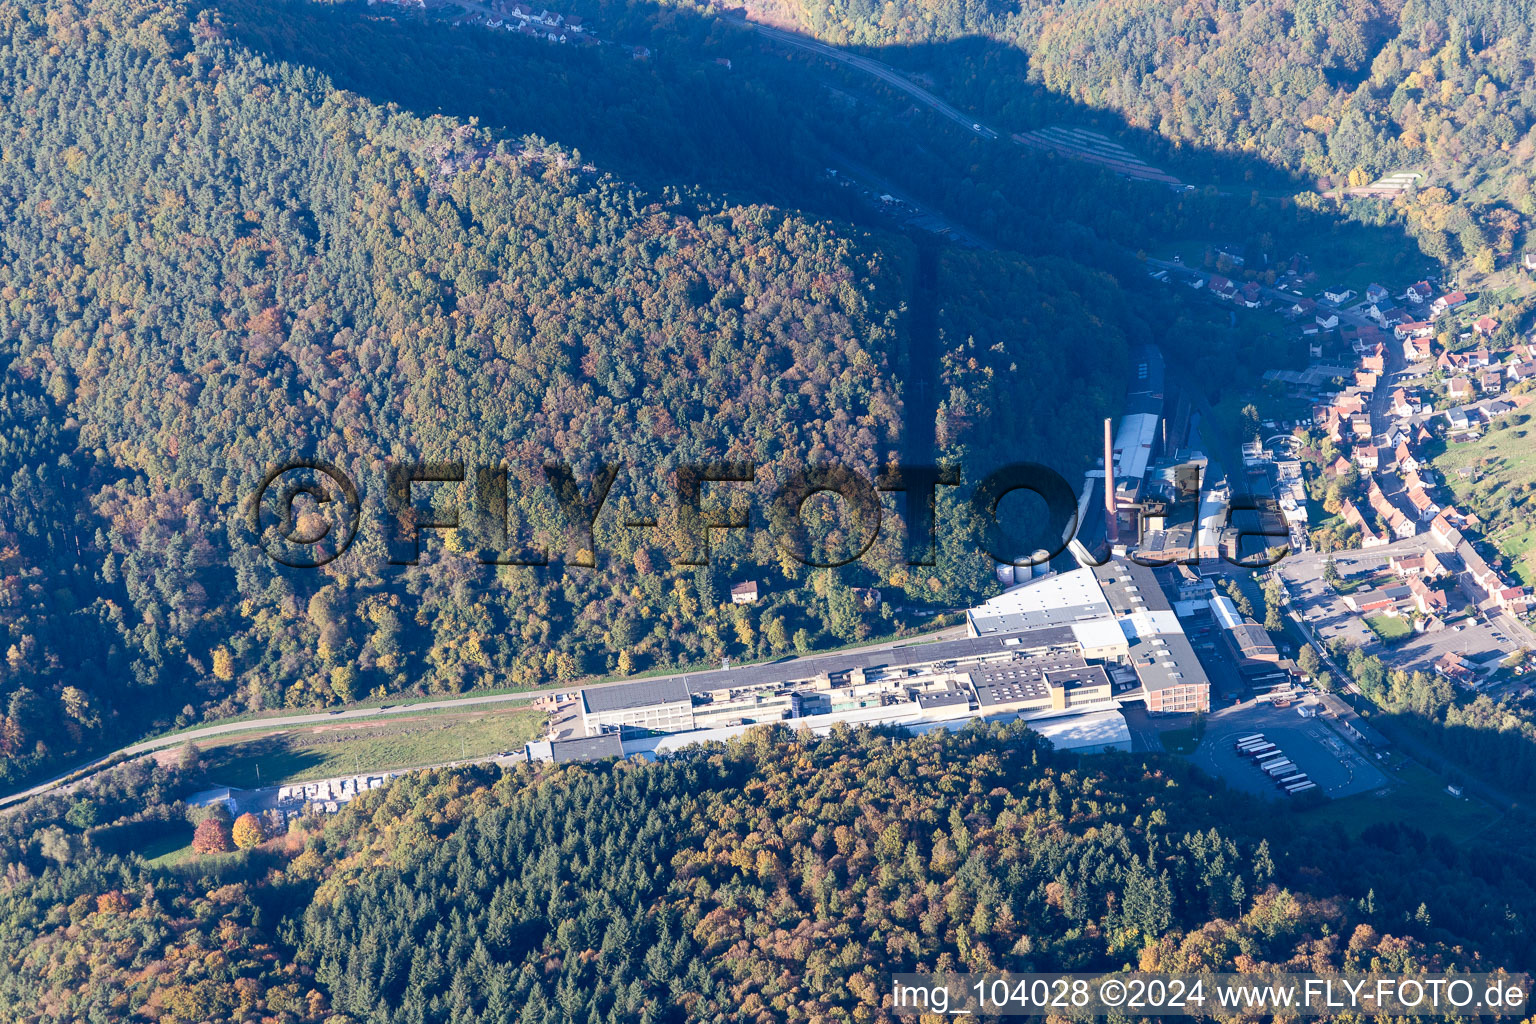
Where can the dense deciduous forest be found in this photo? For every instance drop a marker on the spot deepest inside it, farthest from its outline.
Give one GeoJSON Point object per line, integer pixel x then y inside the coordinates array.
{"type": "Point", "coordinates": [220, 261]}
{"type": "Point", "coordinates": [1329, 93]}
{"type": "Point", "coordinates": [775, 878]}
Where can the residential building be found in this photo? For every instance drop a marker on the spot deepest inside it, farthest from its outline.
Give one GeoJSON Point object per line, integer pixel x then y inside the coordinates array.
{"type": "Point", "coordinates": [1447, 302]}
{"type": "Point", "coordinates": [1426, 599]}
{"type": "Point", "coordinates": [1416, 349]}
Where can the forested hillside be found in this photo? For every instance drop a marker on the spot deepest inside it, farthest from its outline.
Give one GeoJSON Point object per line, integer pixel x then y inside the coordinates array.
{"type": "Point", "coordinates": [219, 262]}
{"type": "Point", "coordinates": [776, 878]}
{"type": "Point", "coordinates": [1331, 93]}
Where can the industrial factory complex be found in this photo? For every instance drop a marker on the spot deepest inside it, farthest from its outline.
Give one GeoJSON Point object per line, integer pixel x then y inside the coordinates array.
{"type": "Point", "coordinates": [1065, 646]}
{"type": "Point", "coordinates": [1069, 648]}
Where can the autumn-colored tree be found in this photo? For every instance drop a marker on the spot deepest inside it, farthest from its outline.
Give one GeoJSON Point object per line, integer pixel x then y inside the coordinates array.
{"type": "Point", "coordinates": [223, 664]}
{"type": "Point", "coordinates": [211, 836]}
{"type": "Point", "coordinates": [114, 902]}
{"type": "Point", "coordinates": [247, 832]}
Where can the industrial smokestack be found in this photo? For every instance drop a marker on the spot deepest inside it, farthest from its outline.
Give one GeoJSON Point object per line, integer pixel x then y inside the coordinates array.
{"type": "Point", "coordinates": [1111, 510]}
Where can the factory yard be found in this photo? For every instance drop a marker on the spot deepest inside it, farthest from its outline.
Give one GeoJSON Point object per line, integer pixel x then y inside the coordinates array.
{"type": "Point", "coordinates": [1316, 748]}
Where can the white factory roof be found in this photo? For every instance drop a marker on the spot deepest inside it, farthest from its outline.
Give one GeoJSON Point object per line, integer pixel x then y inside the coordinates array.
{"type": "Point", "coordinates": [1213, 515]}
{"type": "Point", "coordinates": [1225, 612]}
{"type": "Point", "coordinates": [1133, 447]}
{"type": "Point", "coordinates": [1088, 733]}
{"type": "Point", "coordinates": [1061, 598]}
{"type": "Point", "coordinates": [1096, 633]}
{"type": "Point", "coordinates": [1146, 623]}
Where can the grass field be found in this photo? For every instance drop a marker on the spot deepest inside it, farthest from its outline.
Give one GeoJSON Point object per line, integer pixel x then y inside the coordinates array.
{"type": "Point", "coordinates": [1389, 627]}
{"type": "Point", "coordinates": [1419, 799]}
{"type": "Point", "coordinates": [168, 850]}
{"type": "Point", "coordinates": [1518, 541]}
{"type": "Point", "coordinates": [1503, 463]}
{"type": "Point", "coordinates": [325, 751]}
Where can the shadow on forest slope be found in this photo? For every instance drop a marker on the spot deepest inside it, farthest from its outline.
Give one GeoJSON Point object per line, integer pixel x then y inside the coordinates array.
{"type": "Point", "coordinates": [765, 128]}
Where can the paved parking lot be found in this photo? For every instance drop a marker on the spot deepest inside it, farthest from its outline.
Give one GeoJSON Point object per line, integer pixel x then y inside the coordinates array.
{"type": "Point", "coordinates": [1329, 617]}
{"type": "Point", "coordinates": [1326, 612]}
{"type": "Point", "coordinates": [1421, 651]}
{"type": "Point", "coordinates": [1324, 609]}
{"type": "Point", "coordinates": [1312, 743]}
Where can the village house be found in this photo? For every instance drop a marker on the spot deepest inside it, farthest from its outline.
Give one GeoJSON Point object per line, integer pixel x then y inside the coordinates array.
{"type": "Point", "coordinates": [1422, 503]}
{"type": "Point", "coordinates": [1365, 380]}
{"type": "Point", "coordinates": [1446, 302]}
{"type": "Point", "coordinates": [1453, 668]}
{"type": "Point", "coordinates": [1459, 389]}
{"type": "Point", "coordinates": [1380, 309]}
{"type": "Point", "coordinates": [1352, 516]}
{"type": "Point", "coordinates": [1327, 321]}
{"type": "Point", "coordinates": [1417, 348]}
{"type": "Point", "coordinates": [1401, 526]}
{"type": "Point", "coordinates": [1403, 405]}
{"type": "Point", "coordinates": [1436, 565]}
{"type": "Point", "coordinates": [744, 593]}
{"type": "Point", "coordinates": [1376, 361]}
{"type": "Point", "coordinates": [1426, 599]}
{"type": "Point", "coordinates": [1431, 565]}
{"type": "Point", "coordinates": [1485, 325]}
{"type": "Point", "coordinates": [1349, 404]}
{"type": "Point", "coordinates": [1338, 296]}
{"type": "Point", "coordinates": [1418, 292]}
{"type": "Point", "coordinates": [1221, 287]}
{"type": "Point", "coordinates": [1444, 532]}
{"type": "Point", "coordinates": [1366, 458]}
{"type": "Point", "coordinates": [1491, 381]}
{"type": "Point", "coordinates": [1462, 520]}
{"type": "Point", "coordinates": [1386, 600]}
{"type": "Point", "coordinates": [1403, 460]}
{"type": "Point", "coordinates": [1515, 600]}
{"type": "Point", "coordinates": [1505, 594]}
{"type": "Point", "coordinates": [1458, 421]}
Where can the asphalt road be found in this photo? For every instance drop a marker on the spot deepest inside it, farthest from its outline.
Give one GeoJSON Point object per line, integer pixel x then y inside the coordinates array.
{"type": "Point", "coordinates": [258, 726]}
{"type": "Point", "coordinates": [884, 72]}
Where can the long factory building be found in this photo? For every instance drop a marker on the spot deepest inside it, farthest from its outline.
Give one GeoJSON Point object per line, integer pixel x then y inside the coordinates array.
{"type": "Point", "coordinates": [1077, 643]}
